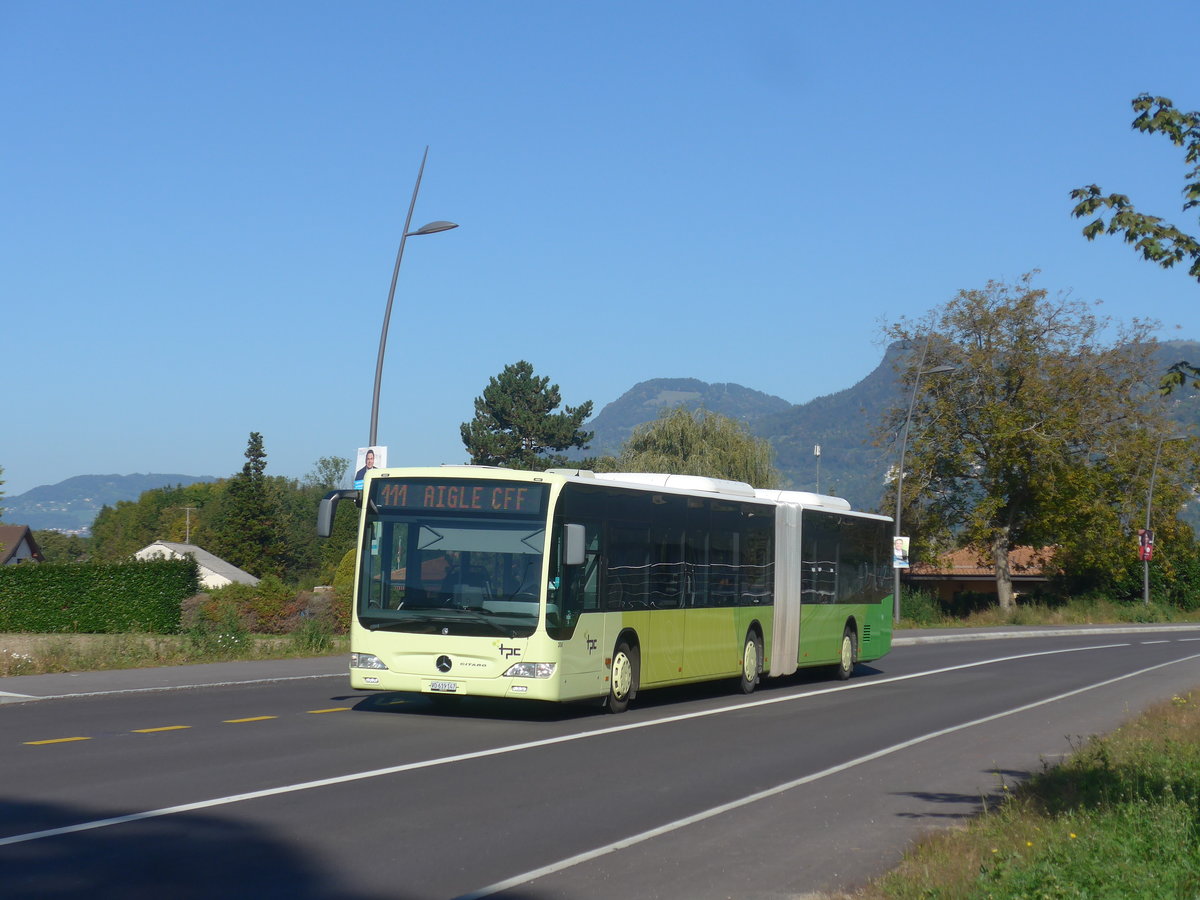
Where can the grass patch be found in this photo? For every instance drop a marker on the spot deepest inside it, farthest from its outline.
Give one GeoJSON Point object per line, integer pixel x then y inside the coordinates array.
{"type": "Point", "coordinates": [23, 654]}
{"type": "Point", "coordinates": [1120, 818]}
{"type": "Point", "coordinates": [918, 610]}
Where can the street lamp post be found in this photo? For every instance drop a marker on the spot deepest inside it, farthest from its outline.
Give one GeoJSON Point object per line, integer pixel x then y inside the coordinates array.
{"type": "Point", "coordinates": [431, 228]}
{"type": "Point", "coordinates": [1149, 501]}
{"type": "Point", "coordinates": [936, 370]}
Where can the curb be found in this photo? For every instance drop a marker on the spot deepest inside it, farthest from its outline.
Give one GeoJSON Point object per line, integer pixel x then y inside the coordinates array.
{"type": "Point", "coordinates": [907, 639]}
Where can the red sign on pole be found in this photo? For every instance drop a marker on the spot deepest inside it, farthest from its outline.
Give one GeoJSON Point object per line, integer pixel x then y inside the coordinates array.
{"type": "Point", "coordinates": [1145, 545]}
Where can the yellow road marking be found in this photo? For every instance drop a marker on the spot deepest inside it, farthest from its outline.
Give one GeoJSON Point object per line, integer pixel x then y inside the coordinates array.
{"type": "Point", "coordinates": [163, 728]}
{"type": "Point", "coordinates": [58, 741]}
{"type": "Point", "coordinates": [251, 719]}
{"type": "Point", "coordinates": [334, 709]}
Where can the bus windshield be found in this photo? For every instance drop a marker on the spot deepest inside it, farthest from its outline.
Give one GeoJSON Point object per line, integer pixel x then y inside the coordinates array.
{"type": "Point", "coordinates": [451, 574]}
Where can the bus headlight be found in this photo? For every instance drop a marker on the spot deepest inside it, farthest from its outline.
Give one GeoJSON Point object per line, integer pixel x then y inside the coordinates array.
{"type": "Point", "coordinates": [530, 670]}
{"type": "Point", "coordinates": [366, 661]}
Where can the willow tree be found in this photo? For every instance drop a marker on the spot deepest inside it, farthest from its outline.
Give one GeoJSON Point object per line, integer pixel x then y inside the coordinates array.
{"type": "Point", "coordinates": [1044, 433]}
{"type": "Point", "coordinates": [683, 442]}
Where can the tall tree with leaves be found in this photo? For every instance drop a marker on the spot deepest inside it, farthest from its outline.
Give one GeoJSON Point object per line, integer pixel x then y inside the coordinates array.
{"type": "Point", "coordinates": [683, 442]}
{"type": "Point", "coordinates": [1044, 433]}
{"type": "Point", "coordinates": [516, 424]}
{"type": "Point", "coordinates": [328, 473]}
{"type": "Point", "coordinates": [1158, 241]}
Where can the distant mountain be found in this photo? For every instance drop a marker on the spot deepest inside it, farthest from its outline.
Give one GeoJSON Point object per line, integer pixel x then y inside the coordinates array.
{"type": "Point", "coordinates": [642, 403]}
{"type": "Point", "coordinates": [843, 424]}
{"type": "Point", "coordinates": [72, 505]}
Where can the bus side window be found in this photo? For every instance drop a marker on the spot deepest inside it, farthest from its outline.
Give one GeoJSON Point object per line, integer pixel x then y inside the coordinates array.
{"type": "Point", "coordinates": [627, 568]}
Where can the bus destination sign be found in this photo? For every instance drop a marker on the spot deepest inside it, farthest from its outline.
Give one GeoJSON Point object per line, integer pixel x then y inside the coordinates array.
{"type": "Point", "coordinates": [459, 495]}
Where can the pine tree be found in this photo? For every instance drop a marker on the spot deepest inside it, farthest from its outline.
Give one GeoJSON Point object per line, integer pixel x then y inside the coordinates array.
{"type": "Point", "coordinates": [246, 529]}
{"type": "Point", "coordinates": [515, 423]}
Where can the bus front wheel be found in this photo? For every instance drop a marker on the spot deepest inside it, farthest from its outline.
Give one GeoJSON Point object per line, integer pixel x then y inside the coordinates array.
{"type": "Point", "coordinates": [752, 659]}
{"type": "Point", "coordinates": [622, 681]}
{"type": "Point", "coordinates": [848, 657]}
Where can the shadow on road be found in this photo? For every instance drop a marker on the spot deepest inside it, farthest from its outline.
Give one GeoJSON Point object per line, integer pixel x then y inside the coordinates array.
{"type": "Point", "coordinates": [467, 707]}
{"type": "Point", "coordinates": [186, 855]}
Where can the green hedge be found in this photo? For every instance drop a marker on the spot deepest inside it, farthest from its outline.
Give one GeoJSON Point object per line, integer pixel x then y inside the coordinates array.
{"type": "Point", "coordinates": [82, 598]}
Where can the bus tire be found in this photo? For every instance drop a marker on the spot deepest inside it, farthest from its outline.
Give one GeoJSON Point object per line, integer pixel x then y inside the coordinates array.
{"type": "Point", "coordinates": [622, 678]}
{"type": "Point", "coordinates": [848, 655]}
{"type": "Point", "coordinates": [752, 662]}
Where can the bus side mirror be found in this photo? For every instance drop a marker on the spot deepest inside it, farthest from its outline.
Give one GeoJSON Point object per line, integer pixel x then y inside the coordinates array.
{"type": "Point", "coordinates": [328, 508]}
{"type": "Point", "coordinates": [574, 545]}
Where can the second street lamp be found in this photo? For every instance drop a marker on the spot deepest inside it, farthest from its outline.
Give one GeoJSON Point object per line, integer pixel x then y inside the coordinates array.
{"type": "Point", "coordinates": [1149, 501]}
{"type": "Point", "coordinates": [936, 370]}
{"type": "Point", "coordinates": [431, 228]}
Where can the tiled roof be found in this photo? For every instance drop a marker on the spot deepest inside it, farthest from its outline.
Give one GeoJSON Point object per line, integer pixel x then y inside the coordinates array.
{"type": "Point", "coordinates": [1022, 561]}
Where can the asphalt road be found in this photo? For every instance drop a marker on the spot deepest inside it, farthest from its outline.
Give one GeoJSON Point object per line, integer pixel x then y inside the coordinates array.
{"type": "Point", "coordinates": [275, 779]}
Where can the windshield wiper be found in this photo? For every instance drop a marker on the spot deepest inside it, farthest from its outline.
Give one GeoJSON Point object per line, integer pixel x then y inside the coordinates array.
{"type": "Point", "coordinates": [472, 616]}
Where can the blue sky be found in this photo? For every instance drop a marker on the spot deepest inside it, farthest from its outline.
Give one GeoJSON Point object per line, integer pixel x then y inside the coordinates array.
{"type": "Point", "coordinates": [201, 204]}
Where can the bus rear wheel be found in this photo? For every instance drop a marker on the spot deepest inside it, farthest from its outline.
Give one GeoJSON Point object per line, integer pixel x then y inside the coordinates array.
{"type": "Point", "coordinates": [752, 660]}
{"type": "Point", "coordinates": [622, 680]}
{"type": "Point", "coordinates": [848, 657]}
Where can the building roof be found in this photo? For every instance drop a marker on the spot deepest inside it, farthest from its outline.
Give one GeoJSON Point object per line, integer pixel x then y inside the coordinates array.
{"type": "Point", "coordinates": [1023, 562]}
{"type": "Point", "coordinates": [207, 560]}
{"type": "Point", "coordinates": [11, 537]}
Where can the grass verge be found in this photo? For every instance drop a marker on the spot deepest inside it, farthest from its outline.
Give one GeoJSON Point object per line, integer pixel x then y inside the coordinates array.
{"type": "Point", "coordinates": [919, 610]}
{"type": "Point", "coordinates": [1120, 818]}
{"type": "Point", "coordinates": [25, 654]}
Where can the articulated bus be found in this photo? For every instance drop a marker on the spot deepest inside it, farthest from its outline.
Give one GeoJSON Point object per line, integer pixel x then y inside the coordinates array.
{"type": "Point", "coordinates": [571, 585]}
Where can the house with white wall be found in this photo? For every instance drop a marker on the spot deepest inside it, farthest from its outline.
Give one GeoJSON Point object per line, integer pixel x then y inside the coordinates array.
{"type": "Point", "coordinates": [214, 571]}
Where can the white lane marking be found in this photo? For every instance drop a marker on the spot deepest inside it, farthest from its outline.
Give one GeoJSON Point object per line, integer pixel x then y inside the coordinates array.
{"type": "Point", "coordinates": [175, 687]}
{"type": "Point", "coordinates": [511, 748]}
{"type": "Point", "coordinates": [1154, 642]}
{"type": "Point", "coordinates": [641, 837]}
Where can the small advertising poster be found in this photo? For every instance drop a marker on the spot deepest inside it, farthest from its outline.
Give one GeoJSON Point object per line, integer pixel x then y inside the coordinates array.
{"type": "Point", "coordinates": [368, 458]}
{"type": "Point", "coordinates": [1145, 545]}
{"type": "Point", "coordinates": [900, 553]}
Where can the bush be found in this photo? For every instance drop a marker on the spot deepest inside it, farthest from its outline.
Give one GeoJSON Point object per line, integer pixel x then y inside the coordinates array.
{"type": "Point", "coordinates": [86, 598]}
{"type": "Point", "coordinates": [312, 636]}
{"type": "Point", "coordinates": [217, 632]}
{"type": "Point", "coordinates": [269, 607]}
{"type": "Point", "coordinates": [920, 607]}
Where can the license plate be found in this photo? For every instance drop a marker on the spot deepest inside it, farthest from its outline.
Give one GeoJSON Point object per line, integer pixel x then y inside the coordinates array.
{"type": "Point", "coordinates": [444, 687]}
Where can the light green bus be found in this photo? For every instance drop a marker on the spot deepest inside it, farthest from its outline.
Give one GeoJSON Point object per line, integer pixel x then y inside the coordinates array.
{"type": "Point", "coordinates": [570, 585]}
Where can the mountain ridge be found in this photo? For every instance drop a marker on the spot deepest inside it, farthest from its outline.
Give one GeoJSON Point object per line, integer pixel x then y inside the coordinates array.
{"type": "Point", "coordinates": [843, 424]}
{"type": "Point", "coordinates": [72, 504]}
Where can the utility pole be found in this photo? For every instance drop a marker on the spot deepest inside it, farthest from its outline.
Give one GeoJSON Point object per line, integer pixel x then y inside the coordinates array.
{"type": "Point", "coordinates": [187, 526]}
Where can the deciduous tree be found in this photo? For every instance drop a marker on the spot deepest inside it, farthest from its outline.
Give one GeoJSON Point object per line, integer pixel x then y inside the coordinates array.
{"type": "Point", "coordinates": [516, 424]}
{"type": "Point", "coordinates": [704, 443]}
{"type": "Point", "coordinates": [328, 473]}
{"type": "Point", "coordinates": [1158, 241]}
{"type": "Point", "coordinates": [1045, 433]}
